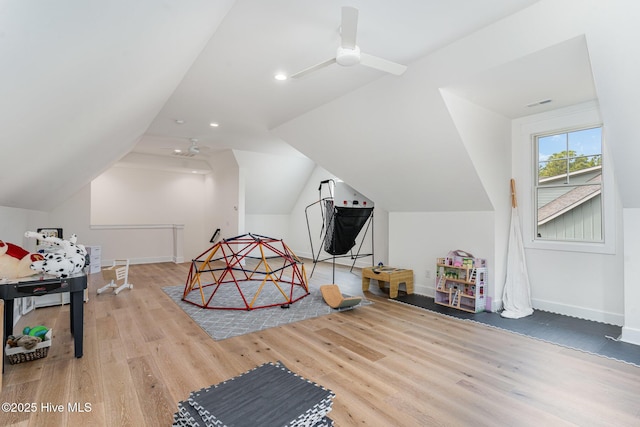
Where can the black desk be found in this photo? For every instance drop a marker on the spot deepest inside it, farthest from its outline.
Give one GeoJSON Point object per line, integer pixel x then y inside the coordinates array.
{"type": "Point", "coordinates": [75, 285]}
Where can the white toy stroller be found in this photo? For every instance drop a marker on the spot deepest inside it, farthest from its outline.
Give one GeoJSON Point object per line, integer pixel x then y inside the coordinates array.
{"type": "Point", "coordinates": [117, 275]}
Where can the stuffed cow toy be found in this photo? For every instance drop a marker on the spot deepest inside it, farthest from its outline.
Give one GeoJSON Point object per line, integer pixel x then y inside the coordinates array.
{"type": "Point", "coordinates": [68, 258]}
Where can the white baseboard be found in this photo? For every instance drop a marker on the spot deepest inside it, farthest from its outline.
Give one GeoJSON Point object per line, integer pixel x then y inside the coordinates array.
{"type": "Point", "coordinates": [579, 312]}
{"type": "Point", "coordinates": [422, 289]}
{"type": "Point", "coordinates": [553, 307]}
{"type": "Point", "coordinates": [150, 260]}
{"type": "Point", "coordinates": [630, 335]}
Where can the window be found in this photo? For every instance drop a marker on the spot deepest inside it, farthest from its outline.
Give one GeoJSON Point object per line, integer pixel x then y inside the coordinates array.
{"type": "Point", "coordinates": [568, 186]}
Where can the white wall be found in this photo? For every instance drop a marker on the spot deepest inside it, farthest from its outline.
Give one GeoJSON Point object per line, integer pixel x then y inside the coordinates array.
{"type": "Point", "coordinates": [141, 243]}
{"type": "Point", "coordinates": [142, 214]}
{"type": "Point", "coordinates": [14, 222]}
{"type": "Point", "coordinates": [276, 226]}
{"type": "Point", "coordinates": [151, 215]}
{"type": "Point", "coordinates": [224, 207]}
{"type": "Point", "coordinates": [125, 196]}
{"type": "Point", "coordinates": [582, 280]}
{"type": "Point", "coordinates": [272, 185]}
{"type": "Point", "coordinates": [74, 217]}
{"type": "Point", "coordinates": [487, 137]}
{"type": "Point", "coordinates": [631, 329]}
{"type": "Point", "coordinates": [416, 239]}
{"type": "Point", "coordinates": [272, 182]}
{"type": "Point", "coordinates": [145, 196]}
{"type": "Point", "coordinates": [136, 212]}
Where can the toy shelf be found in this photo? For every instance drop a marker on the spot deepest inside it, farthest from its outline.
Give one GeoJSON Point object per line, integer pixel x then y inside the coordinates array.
{"type": "Point", "coordinates": [461, 284]}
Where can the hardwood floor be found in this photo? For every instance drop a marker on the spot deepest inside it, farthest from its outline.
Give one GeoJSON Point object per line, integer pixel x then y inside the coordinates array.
{"type": "Point", "coordinates": [389, 364]}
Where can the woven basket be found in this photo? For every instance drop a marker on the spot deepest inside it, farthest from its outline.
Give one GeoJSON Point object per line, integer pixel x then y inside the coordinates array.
{"type": "Point", "coordinates": [19, 354]}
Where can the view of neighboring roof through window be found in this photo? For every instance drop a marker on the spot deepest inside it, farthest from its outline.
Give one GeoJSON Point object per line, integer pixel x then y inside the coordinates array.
{"type": "Point", "coordinates": [569, 186]}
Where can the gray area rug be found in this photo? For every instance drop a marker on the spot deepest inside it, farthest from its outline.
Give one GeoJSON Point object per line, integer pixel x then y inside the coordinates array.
{"type": "Point", "coordinates": [222, 324]}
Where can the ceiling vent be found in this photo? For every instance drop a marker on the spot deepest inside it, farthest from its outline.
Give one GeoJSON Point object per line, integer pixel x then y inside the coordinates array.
{"type": "Point", "coordinates": [535, 104]}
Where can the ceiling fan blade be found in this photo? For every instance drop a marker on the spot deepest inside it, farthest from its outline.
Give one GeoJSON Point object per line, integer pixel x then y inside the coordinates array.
{"type": "Point", "coordinates": [382, 64]}
{"type": "Point", "coordinates": [349, 27]}
{"type": "Point", "coordinates": [313, 68]}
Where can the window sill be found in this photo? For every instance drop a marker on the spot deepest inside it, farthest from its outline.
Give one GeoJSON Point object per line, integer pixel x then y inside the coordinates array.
{"type": "Point", "coordinates": [595, 247]}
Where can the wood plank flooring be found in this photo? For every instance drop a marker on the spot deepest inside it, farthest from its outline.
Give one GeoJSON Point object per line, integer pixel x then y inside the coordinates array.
{"type": "Point", "coordinates": [389, 364]}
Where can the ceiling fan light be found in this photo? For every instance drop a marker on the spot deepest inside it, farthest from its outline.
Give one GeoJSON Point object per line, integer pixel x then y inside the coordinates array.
{"type": "Point", "coordinates": [348, 57]}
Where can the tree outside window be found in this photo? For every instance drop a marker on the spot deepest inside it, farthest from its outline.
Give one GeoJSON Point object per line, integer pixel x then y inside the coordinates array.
{"type": "Point", "coordinates": [569, 186]}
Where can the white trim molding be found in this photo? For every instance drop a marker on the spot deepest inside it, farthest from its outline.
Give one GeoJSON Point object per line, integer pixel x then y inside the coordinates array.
{"type": "Point", "coordinates": [136, 226]}
{"type": "Point", "coordinates": [122, 241]}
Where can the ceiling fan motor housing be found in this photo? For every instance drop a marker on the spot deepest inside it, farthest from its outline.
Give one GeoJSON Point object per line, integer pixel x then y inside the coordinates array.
{"type": "Point", "coordinates": [348, 57]}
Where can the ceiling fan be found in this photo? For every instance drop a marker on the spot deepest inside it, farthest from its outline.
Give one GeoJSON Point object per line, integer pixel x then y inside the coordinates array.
{"type": "Point", "coordinates": [193, 149]}
{"type": "Point", "coordinates": [349, 53]}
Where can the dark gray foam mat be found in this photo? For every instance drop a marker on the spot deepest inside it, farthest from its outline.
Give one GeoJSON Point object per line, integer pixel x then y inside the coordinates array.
{"type": "Point", "coordinates": [580, 334]}
{"type": "Point", "coordinates": [269, 395]}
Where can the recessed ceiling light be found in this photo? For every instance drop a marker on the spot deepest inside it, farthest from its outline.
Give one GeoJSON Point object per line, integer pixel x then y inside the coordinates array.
{"type": "Point", "coordinates": [194, 171]}
{"type": "Point", "coordinates": [280, 76]}
{"type": "Point", "coordinates": [214, 124]}
{"type": "Point", "coordinates": [177, 150]}
{"type": "Point", "coordinates": [179, 121]}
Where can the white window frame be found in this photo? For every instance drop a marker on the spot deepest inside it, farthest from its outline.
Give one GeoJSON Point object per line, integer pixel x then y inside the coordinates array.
{"type": "Point", "coordinates": [536, 185]}
{"type": "Point", "coordinates": [524, 131]}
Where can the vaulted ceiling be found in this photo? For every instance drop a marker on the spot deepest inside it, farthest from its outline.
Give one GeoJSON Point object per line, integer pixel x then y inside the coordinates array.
{"type": "Point", "coordinates": [87, 85]}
